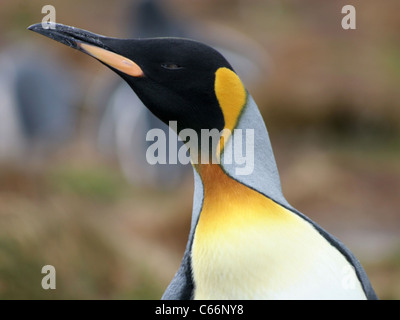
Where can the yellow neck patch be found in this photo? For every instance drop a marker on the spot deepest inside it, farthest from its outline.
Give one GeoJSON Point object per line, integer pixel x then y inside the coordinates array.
{"type": "Point", "coordinates": [232, 97]}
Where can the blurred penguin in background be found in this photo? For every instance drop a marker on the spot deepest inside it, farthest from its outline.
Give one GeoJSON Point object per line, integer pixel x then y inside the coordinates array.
{"type": "Point", "coordinates": [124, 125]}
{"type": "Point", "coordinates": [38, 105]}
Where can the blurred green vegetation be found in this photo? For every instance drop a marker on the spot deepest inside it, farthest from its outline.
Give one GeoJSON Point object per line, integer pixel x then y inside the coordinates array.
{"type": "Point", "coordinates": [92, 183]}
{"type": "Point", "coordinates": [64, 225]}
{"type": "Point", "coordinates": [330, 100]}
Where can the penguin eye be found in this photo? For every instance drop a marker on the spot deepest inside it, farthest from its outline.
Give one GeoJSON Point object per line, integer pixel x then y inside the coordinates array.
{"type": "Point", "coordinates": [171, 66]}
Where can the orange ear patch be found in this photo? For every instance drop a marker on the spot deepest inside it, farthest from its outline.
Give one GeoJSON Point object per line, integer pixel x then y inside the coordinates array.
{"type": "Point", "coordinates": [232, 97]}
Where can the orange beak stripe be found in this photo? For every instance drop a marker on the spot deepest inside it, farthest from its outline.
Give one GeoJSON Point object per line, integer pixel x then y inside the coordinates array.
{"type": "Point", "coordinates": [114, 60]}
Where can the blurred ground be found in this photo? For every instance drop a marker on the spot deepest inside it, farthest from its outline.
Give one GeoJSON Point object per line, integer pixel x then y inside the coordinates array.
{"type": "Point", "coordinates": [331, 103]}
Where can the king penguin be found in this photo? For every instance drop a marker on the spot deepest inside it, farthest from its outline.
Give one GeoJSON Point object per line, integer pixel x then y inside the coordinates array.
{"type": "Point", "coordinates": [246, 241]}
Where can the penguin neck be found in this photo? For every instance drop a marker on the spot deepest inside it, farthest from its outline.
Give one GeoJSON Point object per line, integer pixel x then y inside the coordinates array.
{"type": "Point", "coordinates": [223, 178]}
{"type": "Point", "coordinates": [220, 191]}
{"type": "Point", "coordinates": [248, 157]}
{"type": "Point", "coordinates": [263, 176]}
{"type": "Point", "coordinates": [214, 180]}
{"type": "Point", "coordinates": [264, 179]}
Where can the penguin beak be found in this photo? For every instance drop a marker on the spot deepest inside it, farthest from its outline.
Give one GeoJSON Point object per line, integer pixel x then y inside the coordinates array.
{"type": "Point", "coordinates": [91, 44]}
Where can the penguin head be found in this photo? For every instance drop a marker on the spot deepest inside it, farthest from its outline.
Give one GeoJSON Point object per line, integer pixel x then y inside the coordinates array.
{"type": "Point", "coordinates": [175, 78]}
{"type": "Point", "coordinates": [177, 81]}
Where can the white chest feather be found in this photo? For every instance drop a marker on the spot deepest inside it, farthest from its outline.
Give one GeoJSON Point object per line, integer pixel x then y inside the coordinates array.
{"type": "Point", "coordinates": [258, 263]}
